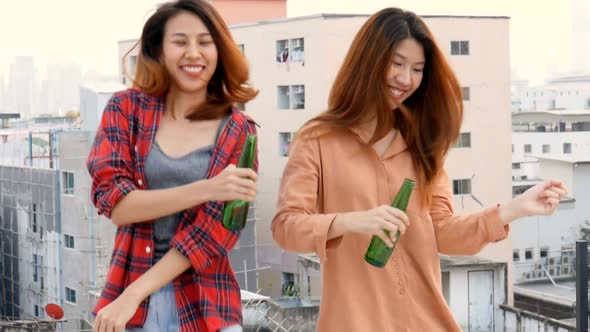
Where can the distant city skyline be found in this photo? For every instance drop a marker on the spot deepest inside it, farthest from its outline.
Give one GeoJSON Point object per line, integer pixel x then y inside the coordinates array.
{"type": "Point", "coordinates": [87, 32]}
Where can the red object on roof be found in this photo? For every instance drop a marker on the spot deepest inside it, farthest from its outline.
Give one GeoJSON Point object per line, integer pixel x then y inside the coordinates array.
{"type": "Point", "coordinates": [54, 311]}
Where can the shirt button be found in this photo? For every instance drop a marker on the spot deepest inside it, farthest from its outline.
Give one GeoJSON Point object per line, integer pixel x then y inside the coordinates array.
{"type": "Point", "coordinates": [148, 249]}
{"type": "Point", "coordinates": [139, 182]}
{"type": "Point", "coordinates": [136, 148]}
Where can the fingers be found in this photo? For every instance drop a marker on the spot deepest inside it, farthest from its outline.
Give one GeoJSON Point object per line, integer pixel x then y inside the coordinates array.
{"type": "Point", "coordinates": [246, 191]}
{"type": "Point", "coordinates": [241, 172]}
{"type": "Point", "coordinates": [120, 327]}
{"type": "Point", "coordinates": [556, 184]}
{"type": "Point", "coordinates": [548, 193]}
{"type": "Point", "coordinates": [392, 220]}
{"type": "Point", "coordinates": [383, 236]}
{"type": "Point", "coordinates": [246, 173]}
{"type": "Point", "coordinates": [551, 204]}
{"type": "Point", "coordinates": [398, 215]}
{"type": "Point", "coordinates": [559, 191]}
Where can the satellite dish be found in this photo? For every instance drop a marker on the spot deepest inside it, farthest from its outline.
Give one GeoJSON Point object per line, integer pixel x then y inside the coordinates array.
{"type": "Point", "coordinates": [54, 311]}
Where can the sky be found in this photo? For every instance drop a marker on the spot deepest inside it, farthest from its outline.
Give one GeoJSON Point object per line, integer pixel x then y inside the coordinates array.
{"type": "Point", "coordinates": [87, 31]}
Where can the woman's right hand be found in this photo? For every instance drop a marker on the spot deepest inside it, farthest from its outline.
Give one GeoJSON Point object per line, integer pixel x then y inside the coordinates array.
{"type": "Point", "coordinates": [376, 221]}
{"type": "Point", "coordinates": [233, 184]}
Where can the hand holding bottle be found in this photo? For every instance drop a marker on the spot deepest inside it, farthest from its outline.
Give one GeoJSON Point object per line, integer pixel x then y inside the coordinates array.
{"type": "Point", "coordinates": [379, 251]}
{"type": "Point", "coordinates": [376, 221]}
{"type": "Point", "coordinates": [233, 184]}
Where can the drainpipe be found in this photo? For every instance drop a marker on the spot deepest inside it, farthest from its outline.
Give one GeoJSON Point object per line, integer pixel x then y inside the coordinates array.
{"type": "Point", "coordinates": [58, 221]}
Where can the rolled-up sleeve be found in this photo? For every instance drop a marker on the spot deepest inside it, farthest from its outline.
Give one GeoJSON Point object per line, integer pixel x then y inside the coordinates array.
{"type": "Point", "coordinates": [297, 225]}
{"type": "Point", "coordinates": [109, 162]}
{"type": "Point", "coordinates": [462, 235]}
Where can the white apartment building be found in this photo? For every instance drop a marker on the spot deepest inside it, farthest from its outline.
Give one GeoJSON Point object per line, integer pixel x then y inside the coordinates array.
{"type": "Point", "coordinates": [563, 134]}
{"type": "Point", "coordinates": [569, 92]}
{"type": "Point", "coordinates": [294, 62]}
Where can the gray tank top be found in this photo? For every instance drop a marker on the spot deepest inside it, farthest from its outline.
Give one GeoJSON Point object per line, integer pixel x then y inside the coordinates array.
{"type": "Point", "coordinates": [163, 171]}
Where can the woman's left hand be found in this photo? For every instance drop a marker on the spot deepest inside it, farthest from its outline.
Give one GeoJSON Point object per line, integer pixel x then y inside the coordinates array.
{"type": "Point", "coordinates": [115, 316]}
{"type": "Point", "coordinates": [541, 199]}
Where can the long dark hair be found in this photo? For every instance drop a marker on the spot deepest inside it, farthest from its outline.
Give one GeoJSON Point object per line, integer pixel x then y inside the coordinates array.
{"type": "Point", "coordinates": [229, 83]}
{"type": "Point", "coordinates": [430, 119]}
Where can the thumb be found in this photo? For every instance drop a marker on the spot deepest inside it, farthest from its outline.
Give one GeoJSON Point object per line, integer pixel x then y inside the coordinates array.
{"type": "Point", "coordinates": [230, 167]}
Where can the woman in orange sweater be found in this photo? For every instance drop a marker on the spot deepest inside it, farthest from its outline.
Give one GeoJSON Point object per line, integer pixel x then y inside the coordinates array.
{"type": "Point", "coordinates": [394, 111]}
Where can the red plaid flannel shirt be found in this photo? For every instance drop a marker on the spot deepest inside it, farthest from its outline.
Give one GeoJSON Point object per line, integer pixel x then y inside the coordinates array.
{"type": "Point", "coordinates": [207, 295]}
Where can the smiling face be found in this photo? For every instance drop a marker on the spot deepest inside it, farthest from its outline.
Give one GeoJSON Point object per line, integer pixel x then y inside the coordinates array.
{"type": "Point", "coordinates": [189, 53]}
{"type": "Point", "coordinates": [405, 72]}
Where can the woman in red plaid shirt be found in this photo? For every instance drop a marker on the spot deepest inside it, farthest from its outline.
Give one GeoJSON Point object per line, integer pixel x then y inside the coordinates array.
{"type": "Point", "coordinates": [162, 166]}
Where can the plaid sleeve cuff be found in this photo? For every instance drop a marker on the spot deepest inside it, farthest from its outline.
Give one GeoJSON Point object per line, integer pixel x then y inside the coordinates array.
{"type": "Point", "coordinates": [109, 199]}
{"type": "Point", "coordinates": [185, 244]}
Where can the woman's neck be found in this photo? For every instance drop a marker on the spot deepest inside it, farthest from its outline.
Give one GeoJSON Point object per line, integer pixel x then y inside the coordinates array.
{"type": "Point", "coordinates": [182, 103]}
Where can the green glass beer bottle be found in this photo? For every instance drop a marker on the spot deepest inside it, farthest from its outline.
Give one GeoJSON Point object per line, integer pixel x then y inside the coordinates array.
{"type": "Point", "coordinates": [235, 213]}
{"type": "Point", "coordinates": [378, 252]}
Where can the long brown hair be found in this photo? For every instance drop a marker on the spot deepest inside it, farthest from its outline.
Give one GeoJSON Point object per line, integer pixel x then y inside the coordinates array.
{"type": "Point", "coordinates": [229, 82]}
{"type": "Point", "coordinates": [429, 120]}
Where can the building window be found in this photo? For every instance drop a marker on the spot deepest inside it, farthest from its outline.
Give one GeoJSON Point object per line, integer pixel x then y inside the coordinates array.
{"type": "Point", "coordinates": [288, 288]}
{"type": "Point", "coordinates": [567, 148]}
{"type": "Point", "coordinates": [528, 148]}
{"type": "Point", "coordinates": [460, 47]}
{"type": "Point", "coordinates": [466, 93]}
{"type": "Point", "coordinates": [463, 141]}
{"type": "Point", "coordinates": [241, 47]}
{"type": "Point", "coordinates": [528, 254]}
{"type": "Point", "coordinates": [68, 183]}
{"type": "Point", "coordinates": [285, 140]}
{"type": "Point", "coordinates": [282, 50]}
{"type": "Point", "coordinates": [290, 50]}
{"type": "Point", "coordinates": [462, 187]}
{"type": "Point", "coordinates": [515, 165]}
{"type": "Point", "coordinates": [544, 252]}
{"type": "Point", "coordinates": [70, 295]}
{"type": "Point", "coordinates": [512, 148]}
{"type": "Point", "coordinates": [35, 268]}
{"type": "Point", "coordinates": [34, 218]}
{"type": "Point", "coordinates": [291, 97]}
{"type": "Point", "coordinates": [515, 255]}
{"type": "Point", "coordinates": [298, 47]}
{"type": "Point", "coordinates": [546, 148]}
{"type": "Point", "coordinates": [69, 241]}
{"type": "Point", "coordinates": [132, 65]}
{"type": "Point", "coordinates": [36, 310]}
